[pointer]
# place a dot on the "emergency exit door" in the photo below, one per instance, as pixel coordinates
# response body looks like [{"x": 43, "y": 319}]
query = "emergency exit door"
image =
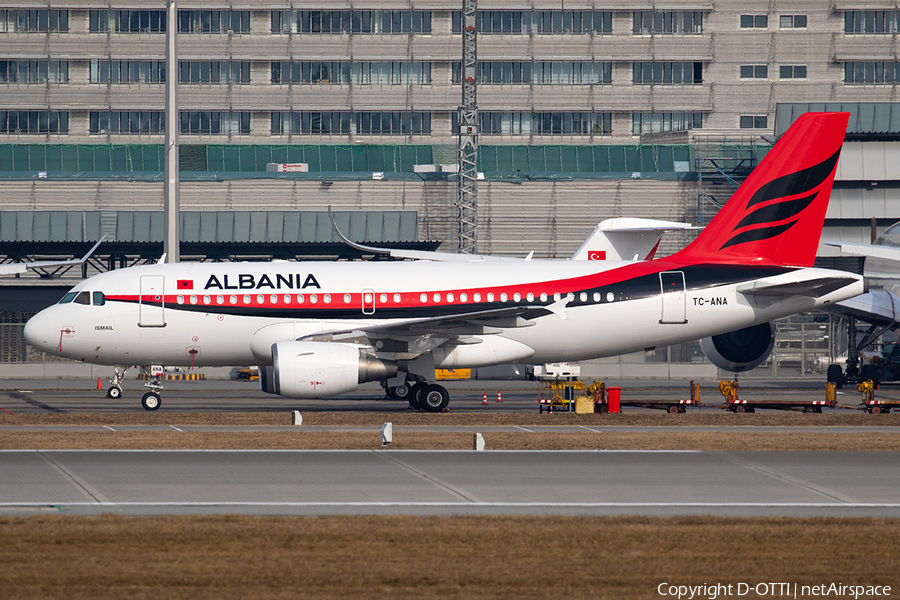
[{"x": 674, "y": 300}]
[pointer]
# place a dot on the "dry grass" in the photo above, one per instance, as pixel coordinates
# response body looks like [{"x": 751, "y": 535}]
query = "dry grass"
[
  {"x": 401, "y": 416},
  {"x": 312, "y": 440},
  {"x": 431, "y": 557}
]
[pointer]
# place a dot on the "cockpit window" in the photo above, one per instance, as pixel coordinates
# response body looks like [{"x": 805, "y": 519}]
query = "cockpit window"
[
  {"x": 68, "y": 297},
  {"x": 99, "y": 299},
  {"x": 83, "y": 298}
]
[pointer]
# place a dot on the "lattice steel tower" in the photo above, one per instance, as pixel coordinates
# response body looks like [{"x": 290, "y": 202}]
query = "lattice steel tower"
[{"x": 467, "y": 196}]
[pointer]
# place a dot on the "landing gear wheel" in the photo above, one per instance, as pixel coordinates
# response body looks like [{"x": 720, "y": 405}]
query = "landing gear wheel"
[
  {"x": 434, "y": 398},
  {"x": 413, "y": 395},
  {"x": 114, "y": 392},
  {"x": 835, "y": 375},
  {"x": 401, "y": 392},
  {"x": 151, "y": 401}
]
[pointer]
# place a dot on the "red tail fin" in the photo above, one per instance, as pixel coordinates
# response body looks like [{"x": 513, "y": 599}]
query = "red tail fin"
[{"x": 776, "y": 216}]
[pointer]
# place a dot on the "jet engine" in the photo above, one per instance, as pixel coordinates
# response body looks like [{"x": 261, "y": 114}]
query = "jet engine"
[
  {"x": 316, "y": 369},
  {"x": 740, "y": 350}
]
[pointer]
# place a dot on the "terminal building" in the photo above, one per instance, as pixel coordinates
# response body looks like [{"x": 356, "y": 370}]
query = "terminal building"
[{"x": 588, "y": 111}]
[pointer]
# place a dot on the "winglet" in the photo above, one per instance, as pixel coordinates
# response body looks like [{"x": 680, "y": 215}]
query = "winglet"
[{"x": 15, "y": 268}]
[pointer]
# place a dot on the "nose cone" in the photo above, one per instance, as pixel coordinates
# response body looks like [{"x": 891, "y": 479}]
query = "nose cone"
[{"x": 41, "y": 333}]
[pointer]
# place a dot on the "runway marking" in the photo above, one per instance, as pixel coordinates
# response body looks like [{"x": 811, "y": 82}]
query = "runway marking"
[
  {"x": 176, "y": 429},
  {"x": 35, "y": 403},
  {"x": 523, "y": 429},
  {"x": 442, "y": 484},
  {"x": 589, "y": 429},
  {"x": 84, "y": 487},
  {"x": 776, "y": 474},
  {"x": 110, "y": 428},
  {"x": 486, "y": 504}
]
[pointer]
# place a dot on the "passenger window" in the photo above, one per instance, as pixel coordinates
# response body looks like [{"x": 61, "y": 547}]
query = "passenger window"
[
  {"x": 83, "y": 298},
  {"x": 68, "y": 297},
  {"x": 99, "y": 299}
]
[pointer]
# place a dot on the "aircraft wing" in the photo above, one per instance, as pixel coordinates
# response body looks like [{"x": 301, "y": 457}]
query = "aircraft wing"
[
  {"x": 887, "y": 252},
  {"x": 812, "y": 288},
  {"x": 413, "y": 337},
  {"x": 13, "y": 268}
]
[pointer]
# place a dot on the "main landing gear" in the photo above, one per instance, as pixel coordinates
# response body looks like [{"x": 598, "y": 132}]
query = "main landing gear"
[
  {"x": 152, "y": 400},
  {"x": 421, "y": 395}
]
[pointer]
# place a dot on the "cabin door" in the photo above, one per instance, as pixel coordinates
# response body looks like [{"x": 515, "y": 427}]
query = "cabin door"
[
  {"x": 152, "y": 301},
  {"x": 674, "y": 300}
]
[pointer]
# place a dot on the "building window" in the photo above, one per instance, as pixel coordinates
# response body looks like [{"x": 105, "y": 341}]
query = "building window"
[
  {"x": 540, "y": 123},
  {"x": 665, "y": 22},
  {"x": 214, "y": 123},
  {"x": 754, "y": 72},
  {"x": 126, "y": 122},
  {"x": 128, "y": 71},
  {"x": 539, "y": 73},
  {"x": 33, "y": 21},
  {"x": 871, "y": 21},
  {"x": 542, "y": 22},
  {"x": 357, "y": 73},
  {"x": 34, "y": 71},
  {"x": 34, "y": 121},
  {"x": 754, "y": 122},
  {"x": 792, "y": 21},
  {"x": 651, "y": 122},
  {"x": 754, "y": 21},
  {"x": 311, "y": 123},
  {"x": 127, "y": 21},
  {"x": 339, "y": 123},
  {"x": 667, "y": 73},
  {"x": 213, "y": 72},
  {"x": 393, "y": 123},
  {"x": 871, "y": 73},
  {"x": 792, "y": 72},
  {"x": 214, "y": 21},
  {"x": 351, "y": 21}
]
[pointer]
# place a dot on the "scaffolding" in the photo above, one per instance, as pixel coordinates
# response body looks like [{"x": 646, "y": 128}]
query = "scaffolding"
[{"x": 721, "y": 164}]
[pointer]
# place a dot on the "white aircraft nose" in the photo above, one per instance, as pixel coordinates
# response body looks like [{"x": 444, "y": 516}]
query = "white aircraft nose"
[{"x": 41, "y": 333}]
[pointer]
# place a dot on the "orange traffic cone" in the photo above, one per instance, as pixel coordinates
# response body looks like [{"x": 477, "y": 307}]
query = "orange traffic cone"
[
  {"x": 99, "y": 384},
  {"x": 499, "y": 399},
  {"x": 485, "y": 399}
]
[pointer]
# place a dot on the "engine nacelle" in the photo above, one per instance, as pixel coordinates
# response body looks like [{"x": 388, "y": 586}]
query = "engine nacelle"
[
  {"x": 316, "y": 369},
  {"x": 740, "y": 350}
]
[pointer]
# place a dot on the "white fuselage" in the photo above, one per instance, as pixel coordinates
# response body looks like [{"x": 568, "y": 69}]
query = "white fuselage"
[{"x": 212, "y": 314}]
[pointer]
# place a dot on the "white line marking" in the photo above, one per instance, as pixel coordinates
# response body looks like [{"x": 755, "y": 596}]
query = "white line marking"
[
  {"x": 176, "y": 429},
  {"x": 523, "y": 429},
  {"x": 589, "y": 429},
  {"x": 487, "y": 504},
  {"x": 108, "y": 427}
]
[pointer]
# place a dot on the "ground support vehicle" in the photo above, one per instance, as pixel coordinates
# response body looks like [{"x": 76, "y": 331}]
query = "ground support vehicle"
[
  {"x": 735, "y": 404},
  {"x": 876, "y": 407},
  {"x": 560, "y": 395},
  {"x": 555, "y": 397}
]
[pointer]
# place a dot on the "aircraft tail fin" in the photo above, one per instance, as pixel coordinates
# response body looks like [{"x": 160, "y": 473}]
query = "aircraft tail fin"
[{"x": 776, "y": 216}]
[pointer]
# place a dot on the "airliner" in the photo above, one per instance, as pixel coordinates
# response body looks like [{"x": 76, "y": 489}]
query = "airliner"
[{"x": 320, "y": 329}]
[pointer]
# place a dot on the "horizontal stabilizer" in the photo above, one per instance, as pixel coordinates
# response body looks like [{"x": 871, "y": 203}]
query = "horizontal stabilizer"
[
  {"x": 811, "y": 288},
  {"x": 887, "y": 252}
]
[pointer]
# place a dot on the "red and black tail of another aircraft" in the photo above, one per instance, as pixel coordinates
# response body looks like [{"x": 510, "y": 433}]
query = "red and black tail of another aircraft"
[{"x": 776, "y": 216}]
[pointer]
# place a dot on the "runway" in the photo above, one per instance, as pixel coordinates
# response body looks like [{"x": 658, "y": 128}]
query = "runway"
[{"x": 383, "y": 482}]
